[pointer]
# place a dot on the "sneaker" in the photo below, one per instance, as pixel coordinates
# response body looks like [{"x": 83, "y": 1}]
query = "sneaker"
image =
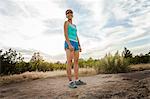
[
  {"x": 79, "y": 82},
  {"x": 72, "y": 85}
]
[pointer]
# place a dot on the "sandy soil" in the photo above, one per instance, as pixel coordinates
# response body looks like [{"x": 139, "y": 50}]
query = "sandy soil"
[{"x": 135, "y": 85}]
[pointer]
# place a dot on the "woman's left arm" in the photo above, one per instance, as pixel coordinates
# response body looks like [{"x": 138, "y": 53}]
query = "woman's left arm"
[
  {"x": 78, "y": 41},
  {"x": 79, "y": 44}
]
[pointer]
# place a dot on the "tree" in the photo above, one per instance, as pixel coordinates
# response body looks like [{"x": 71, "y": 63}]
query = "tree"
[
  {"x": 149, "y": 52},
  {"x": 127, "y": 53},
  {"x": 36, "y": 57},
  {"x": 8, "y": 60},
  {"x": 36, "y": 61}
]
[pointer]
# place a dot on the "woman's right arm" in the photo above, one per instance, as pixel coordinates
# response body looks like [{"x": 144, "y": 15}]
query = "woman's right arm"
[{"x": 66, "y": 34}]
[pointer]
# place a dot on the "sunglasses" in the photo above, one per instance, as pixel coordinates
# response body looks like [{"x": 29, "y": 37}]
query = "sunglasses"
[{"x": 69, "y": 12}]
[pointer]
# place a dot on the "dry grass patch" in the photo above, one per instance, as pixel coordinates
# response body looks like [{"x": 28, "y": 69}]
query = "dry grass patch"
[
  {"x": 140, "y": 67},
  {"x": 37, "y": 75}
]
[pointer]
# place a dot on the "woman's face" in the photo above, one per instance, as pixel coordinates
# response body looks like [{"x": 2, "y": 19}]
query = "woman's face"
[{"x": 70, "y": 15}]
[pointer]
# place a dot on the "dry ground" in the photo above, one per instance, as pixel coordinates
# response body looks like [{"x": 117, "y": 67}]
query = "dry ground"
[{"x": 133, "y": 85}]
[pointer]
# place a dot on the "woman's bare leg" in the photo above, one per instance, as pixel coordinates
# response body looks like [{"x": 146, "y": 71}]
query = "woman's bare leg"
[
  {"x": 69, "y": 55},
  {"x": 76, "y": 68}
]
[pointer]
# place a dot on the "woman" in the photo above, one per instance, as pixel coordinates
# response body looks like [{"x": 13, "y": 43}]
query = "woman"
[{"x": 72, "y": 48}]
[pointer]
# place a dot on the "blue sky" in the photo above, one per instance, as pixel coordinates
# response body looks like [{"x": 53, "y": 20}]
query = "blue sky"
[{"x": 103, "y": 26}]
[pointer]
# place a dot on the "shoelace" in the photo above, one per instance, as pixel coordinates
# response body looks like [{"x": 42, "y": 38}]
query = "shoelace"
[{"x": 72, "y": 83}]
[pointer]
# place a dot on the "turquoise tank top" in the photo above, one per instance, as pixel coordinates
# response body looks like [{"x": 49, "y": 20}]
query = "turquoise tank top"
[{"x": 72, "y": 32}]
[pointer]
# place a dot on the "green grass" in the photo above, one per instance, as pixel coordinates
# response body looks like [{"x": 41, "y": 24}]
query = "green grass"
[{"x": 112, "y": 64}]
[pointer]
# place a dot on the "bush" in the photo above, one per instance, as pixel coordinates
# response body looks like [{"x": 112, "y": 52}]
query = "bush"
[
  {"x": 41, "y": 66},
  {"x": 90, "y": 63},
  {"x": 112, "y": 64},
  {"x": 8, "y": 60},
  {"x": 45, "y": 66},
  {"x": 59, "y": 66},
  {"x": 21, "y": 67},
  {"x": 138, "y": 59}
]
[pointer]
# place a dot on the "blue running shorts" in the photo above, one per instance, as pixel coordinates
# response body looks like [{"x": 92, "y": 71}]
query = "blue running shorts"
[{"x": 73, "y": 43}]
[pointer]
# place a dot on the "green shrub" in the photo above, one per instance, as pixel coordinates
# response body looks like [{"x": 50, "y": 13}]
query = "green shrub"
[
  {"x": 41, "y": 66},
  {"x": 21, "y": 67},
  {"x": 112, "y": 64},
  {"x": 8, "y": 60},
  {"x": 45, "y": 66},
  {"x": 59, "y": 66}
]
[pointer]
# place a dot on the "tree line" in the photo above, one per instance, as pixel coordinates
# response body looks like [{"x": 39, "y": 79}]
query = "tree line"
[{"x": 12, "y": 62}]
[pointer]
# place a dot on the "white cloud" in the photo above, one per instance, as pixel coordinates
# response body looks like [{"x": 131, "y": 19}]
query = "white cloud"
[{"x": 103, "y": 26}]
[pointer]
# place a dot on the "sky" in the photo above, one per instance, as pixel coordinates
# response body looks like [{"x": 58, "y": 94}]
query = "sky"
[{"x": 103, "y": 26}]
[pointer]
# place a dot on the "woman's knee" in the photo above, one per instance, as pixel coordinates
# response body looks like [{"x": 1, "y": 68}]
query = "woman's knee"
[
  {"x": 69, "y": 61},
  {"x": 69, "y": 58},
  {"x": 76, "y": 61}
]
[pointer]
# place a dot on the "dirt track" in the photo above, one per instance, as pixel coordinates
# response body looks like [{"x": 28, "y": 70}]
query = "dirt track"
[{"x": 134, "y": 85}]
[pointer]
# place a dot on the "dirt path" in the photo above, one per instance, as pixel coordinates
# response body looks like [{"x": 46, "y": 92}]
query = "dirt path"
[{"x": 134, "y": 85}]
